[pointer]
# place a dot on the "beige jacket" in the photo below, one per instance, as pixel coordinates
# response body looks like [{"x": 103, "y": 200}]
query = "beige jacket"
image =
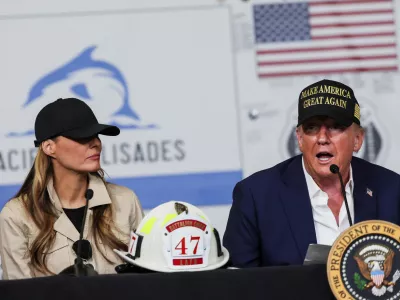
[{"x": 17, "y": 231}]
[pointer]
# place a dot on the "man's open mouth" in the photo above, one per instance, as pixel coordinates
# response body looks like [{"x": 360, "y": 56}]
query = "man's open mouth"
[{"x": 324, "y": 156}]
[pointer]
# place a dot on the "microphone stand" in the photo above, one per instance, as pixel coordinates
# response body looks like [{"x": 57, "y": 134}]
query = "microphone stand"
[
  {"x": 335, "y": 170},
  {"x": 79, "y": 269}
]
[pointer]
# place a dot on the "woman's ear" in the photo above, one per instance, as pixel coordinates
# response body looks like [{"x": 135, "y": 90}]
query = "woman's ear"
[{"x": 49, "y": 147}]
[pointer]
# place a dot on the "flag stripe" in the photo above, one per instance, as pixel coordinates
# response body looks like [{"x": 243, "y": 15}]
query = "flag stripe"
[
  {"x": 305, "y": 38},
  {"x": 373, "y": 63},
  {"x": 313, "y": 49},
  {"x": 321, "y": 60},
  {"x": 359, "y": 20},
  {"x": 350, "y": 30},
  {"x": 334, "y": 54},
  {"x": 352, "y": 36},
  {"x": 319, "y": 3},
  {"x": 283, "y": 58},
  {"x": 351, "y": 7},
  {"x": 361, "y": 41},
  {"x": 352, "y": 24},
  {"x": 327, "y": 71},
  {"x": 351, "y": 13}
]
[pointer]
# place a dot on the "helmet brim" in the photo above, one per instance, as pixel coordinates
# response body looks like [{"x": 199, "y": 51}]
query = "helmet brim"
[{"x": 125, "y": 257}]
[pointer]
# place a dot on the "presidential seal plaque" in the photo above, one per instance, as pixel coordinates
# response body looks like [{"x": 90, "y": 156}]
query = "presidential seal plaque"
[{"x": 364, "y": 262}]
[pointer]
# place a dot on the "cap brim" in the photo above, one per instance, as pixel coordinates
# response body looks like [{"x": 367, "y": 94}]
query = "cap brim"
[
  {"x": 331, "y": 113},
  {"x": 92, "y": 130}
]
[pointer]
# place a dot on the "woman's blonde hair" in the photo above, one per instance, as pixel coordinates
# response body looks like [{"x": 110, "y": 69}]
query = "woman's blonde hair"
[{"x": 37, "y": 202}]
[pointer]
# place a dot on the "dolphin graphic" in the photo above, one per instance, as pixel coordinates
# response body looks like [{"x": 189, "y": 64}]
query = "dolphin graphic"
[
  {"x": 76, "y": 74},
  {"x": 83, "y": 61}
]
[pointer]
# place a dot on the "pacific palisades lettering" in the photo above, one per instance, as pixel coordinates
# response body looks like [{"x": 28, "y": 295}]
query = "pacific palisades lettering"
[
  {"x": 17, "y": 159},
  {"x": 14, "y": 160},
  {"x": 150, "y": 152}
]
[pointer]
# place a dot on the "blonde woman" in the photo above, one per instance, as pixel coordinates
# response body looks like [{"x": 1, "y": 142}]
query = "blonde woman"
[{"x": 40, "y": 227}]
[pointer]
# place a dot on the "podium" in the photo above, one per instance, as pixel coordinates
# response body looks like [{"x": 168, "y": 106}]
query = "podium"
[{"x": 286, "y": 282}]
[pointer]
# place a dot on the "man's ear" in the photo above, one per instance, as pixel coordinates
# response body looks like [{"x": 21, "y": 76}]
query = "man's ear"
[
  {"x": 49, "y": 147},
  {"x": 358, "y": 138},
  {"x": 299, "y": 135}
]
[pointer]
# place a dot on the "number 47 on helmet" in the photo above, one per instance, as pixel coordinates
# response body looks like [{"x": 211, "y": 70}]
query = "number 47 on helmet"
[{"x": 175, "y": 237}]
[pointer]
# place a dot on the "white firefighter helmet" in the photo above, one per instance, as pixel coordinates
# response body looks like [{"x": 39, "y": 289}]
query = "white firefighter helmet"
[{"x": 175, "y": 236}]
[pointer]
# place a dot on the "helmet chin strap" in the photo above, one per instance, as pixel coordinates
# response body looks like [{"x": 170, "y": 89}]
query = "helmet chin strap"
[
  {"x": 138, "y": 247},
  {"x": 219, "y": 247}
]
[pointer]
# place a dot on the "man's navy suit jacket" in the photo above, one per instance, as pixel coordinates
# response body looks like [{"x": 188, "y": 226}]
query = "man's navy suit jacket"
[{"x": 271, "y": 221}]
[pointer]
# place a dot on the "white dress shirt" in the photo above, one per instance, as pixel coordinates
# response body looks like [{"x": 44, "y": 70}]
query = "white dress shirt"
[{"x": 325, "y": 224}]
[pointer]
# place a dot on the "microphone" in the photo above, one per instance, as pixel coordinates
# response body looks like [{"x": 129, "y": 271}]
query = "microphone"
[
  {"x": 79, "y": 269},
  {"x": 335, "y": 170},
  {"x": 88, "y": 196}
]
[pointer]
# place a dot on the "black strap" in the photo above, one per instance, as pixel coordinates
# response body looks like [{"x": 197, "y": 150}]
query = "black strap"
[
  {"x": 219, "y": 247},
  {"x": 138, "y": 248}
]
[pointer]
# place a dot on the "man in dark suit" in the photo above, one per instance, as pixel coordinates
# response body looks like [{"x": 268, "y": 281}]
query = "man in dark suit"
[{"x": 276, "y": 213}]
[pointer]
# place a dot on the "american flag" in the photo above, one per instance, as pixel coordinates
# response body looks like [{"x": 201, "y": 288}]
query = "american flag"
[{"x": 324, "y": 37}]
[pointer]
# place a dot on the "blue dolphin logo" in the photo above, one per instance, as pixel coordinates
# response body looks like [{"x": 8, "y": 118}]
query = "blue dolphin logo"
[{"x": 85, "y": 61}]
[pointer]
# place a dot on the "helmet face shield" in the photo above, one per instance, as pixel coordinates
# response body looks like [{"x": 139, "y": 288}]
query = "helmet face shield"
[{"x": 175, "y": 236}]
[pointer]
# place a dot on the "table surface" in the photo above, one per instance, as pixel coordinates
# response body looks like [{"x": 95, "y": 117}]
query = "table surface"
[{"x": 290, "y": 282}]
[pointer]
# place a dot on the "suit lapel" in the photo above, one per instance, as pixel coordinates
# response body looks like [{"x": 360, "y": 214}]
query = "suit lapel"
[
  {"x": 100, "y": 197},
  {"x": 64, "y": 226},
  {"x": 365, "y": 202},
  {"x": 297, "y": 205}
]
